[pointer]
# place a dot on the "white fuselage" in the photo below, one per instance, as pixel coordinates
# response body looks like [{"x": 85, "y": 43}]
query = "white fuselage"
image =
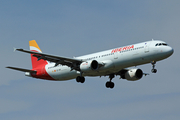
[{"x": 115, "y": 59}]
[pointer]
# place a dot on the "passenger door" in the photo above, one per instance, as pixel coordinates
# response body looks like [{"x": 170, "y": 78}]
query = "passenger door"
[{"x": 146, "y": 47}]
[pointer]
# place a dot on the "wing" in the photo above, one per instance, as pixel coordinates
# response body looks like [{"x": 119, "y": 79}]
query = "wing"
[{"x": 70, "y": 62}]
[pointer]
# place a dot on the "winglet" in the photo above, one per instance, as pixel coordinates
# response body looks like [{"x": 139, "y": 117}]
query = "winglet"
[{"x": 15, "y": 49}]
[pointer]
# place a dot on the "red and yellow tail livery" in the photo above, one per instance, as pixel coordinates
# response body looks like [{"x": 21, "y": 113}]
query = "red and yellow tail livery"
[{"x": 36, "y": 59}]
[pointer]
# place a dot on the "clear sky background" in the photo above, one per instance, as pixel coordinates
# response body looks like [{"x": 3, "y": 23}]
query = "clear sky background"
[{"x": 73, "y": 28}]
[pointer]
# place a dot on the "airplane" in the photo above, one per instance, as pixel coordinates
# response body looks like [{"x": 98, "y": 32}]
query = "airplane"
[{"x": 110, "y": 63}]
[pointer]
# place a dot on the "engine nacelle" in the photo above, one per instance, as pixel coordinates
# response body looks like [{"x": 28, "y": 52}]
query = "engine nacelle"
[
  {"x": 106, "y": 65},
  {"x": 133, "y": 74},
  {"x": 89, "y": 66}
]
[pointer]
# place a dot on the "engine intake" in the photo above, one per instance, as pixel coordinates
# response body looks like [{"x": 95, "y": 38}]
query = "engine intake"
[
  {"x": 94, "y": 65},
  {"x": 133, "y": 74},
  {"x": 89, "y": 66}
]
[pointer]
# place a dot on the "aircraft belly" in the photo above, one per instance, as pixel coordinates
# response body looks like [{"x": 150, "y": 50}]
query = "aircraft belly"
[{"x": 101, "y": 73}]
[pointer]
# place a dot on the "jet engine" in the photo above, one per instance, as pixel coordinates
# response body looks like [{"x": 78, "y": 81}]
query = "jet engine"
[
  {"x": 89, "y": 66},
  {"x": 133, "y": 74}
]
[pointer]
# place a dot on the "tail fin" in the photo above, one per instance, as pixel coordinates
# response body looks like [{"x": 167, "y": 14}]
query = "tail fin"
[{"x": 35, "y": 62}]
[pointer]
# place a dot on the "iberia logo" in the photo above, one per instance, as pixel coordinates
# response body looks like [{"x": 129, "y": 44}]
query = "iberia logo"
[{"x": 122, "y": 49}]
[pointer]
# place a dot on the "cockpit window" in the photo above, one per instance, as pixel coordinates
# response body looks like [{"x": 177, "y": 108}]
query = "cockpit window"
[
  {"x": 164, "y": 44},
  {"x": 161, "y": 44}
]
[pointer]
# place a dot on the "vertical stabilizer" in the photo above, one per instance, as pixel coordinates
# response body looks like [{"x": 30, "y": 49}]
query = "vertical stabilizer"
[{"x": 35, "y": 62}]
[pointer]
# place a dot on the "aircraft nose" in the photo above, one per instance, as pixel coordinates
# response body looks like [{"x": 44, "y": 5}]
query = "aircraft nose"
[{"x": 169, "y": 50}]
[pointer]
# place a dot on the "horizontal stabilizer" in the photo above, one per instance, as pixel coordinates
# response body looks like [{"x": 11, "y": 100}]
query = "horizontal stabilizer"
[{"x": 21, "y": 69}]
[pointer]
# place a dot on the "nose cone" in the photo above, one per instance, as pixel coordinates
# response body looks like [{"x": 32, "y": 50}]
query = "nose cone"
[{"x": 169, "y": 51}]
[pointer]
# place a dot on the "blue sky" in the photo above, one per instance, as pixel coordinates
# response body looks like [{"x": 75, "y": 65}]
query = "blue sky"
[{"x": 73, "y": 28}]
